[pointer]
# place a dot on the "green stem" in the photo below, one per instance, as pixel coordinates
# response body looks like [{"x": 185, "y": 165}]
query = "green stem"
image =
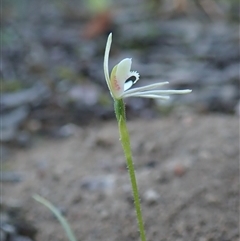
[{"x": 125, "y": 140}]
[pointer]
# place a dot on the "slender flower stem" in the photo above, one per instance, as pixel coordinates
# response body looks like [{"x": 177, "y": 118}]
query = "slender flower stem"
[{"x": 125, "y": 140}]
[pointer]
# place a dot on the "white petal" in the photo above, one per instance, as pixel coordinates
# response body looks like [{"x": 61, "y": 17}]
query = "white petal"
[
  {"x": 165, "y": 92},
  {"x": 105, "y": 62},
  {"x": 123, "y": 71},
  {"x": 143, "y": 95},
  {"x": 143, "y": 88}
]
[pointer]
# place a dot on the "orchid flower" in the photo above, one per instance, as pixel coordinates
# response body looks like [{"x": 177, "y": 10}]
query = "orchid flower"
[{"x": 122, "y": 79}]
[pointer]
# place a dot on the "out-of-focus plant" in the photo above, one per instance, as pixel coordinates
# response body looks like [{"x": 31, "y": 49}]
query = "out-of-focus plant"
[
  {"x": 98, "y": 6},
  {"x": 59, "y": 216},
  {"x": 101, "y": 18}
]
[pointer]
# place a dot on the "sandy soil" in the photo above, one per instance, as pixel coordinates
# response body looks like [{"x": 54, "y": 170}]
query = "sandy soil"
[{"x": 187, "y": 170}]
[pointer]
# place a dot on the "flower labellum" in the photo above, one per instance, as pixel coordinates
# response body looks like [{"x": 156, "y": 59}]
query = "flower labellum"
[{"x": 122, "y": 79}]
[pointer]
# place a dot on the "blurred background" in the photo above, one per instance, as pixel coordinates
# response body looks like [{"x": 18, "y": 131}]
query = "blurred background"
[
  {"x": 52, "y": 80},
  {"x": 52, "y": 57}
]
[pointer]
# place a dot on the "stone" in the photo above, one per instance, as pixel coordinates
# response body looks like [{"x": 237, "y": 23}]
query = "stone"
[
  {"x": 10, "y": 121},
  {"x": 177, "y": 166},
  {"x": 67, "y": 130},
  {"x": 151, "y": 197},
  {"x": 14, "y": 118},
  {"x": 8, "y": 134},
  {"x": 23, "y": 138},
  {"x": 101, "y": 183},
  {"x": 8, "y": 228},
  {"x": 8, "y": 176},
  {"x": 32, "y": 96},
  {"x": 21, "y": 238}
]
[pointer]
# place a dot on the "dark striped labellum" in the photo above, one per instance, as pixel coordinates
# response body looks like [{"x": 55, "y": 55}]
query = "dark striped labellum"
[{"x": 130, "y": 82}]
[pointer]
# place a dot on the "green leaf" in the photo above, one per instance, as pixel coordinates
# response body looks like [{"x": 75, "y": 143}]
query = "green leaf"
[{"x": 58, "y": 215}]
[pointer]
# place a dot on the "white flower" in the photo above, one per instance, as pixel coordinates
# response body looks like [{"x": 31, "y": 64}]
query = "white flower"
[{"x": 122, "y": 79}]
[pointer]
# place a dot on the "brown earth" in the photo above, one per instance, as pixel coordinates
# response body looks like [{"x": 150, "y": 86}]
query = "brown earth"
[{"x": 187, "y": 169}]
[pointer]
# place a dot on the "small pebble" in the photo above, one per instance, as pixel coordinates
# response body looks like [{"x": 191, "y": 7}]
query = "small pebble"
[
  {"x": 104, "y": 214},
  {"x": 179, "y": 170},
  {"x": 178, "y": 166},
  {"x": 67, "y": 131},
  {"x": 76, "y": 199},
  {"x": 151, "y": 164},
  {"x": 151, "y": 197},
  {"x": 211, "y": 199},
  {"x": 164, "y": 177},
  {"x": 98, "y": 183}
]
